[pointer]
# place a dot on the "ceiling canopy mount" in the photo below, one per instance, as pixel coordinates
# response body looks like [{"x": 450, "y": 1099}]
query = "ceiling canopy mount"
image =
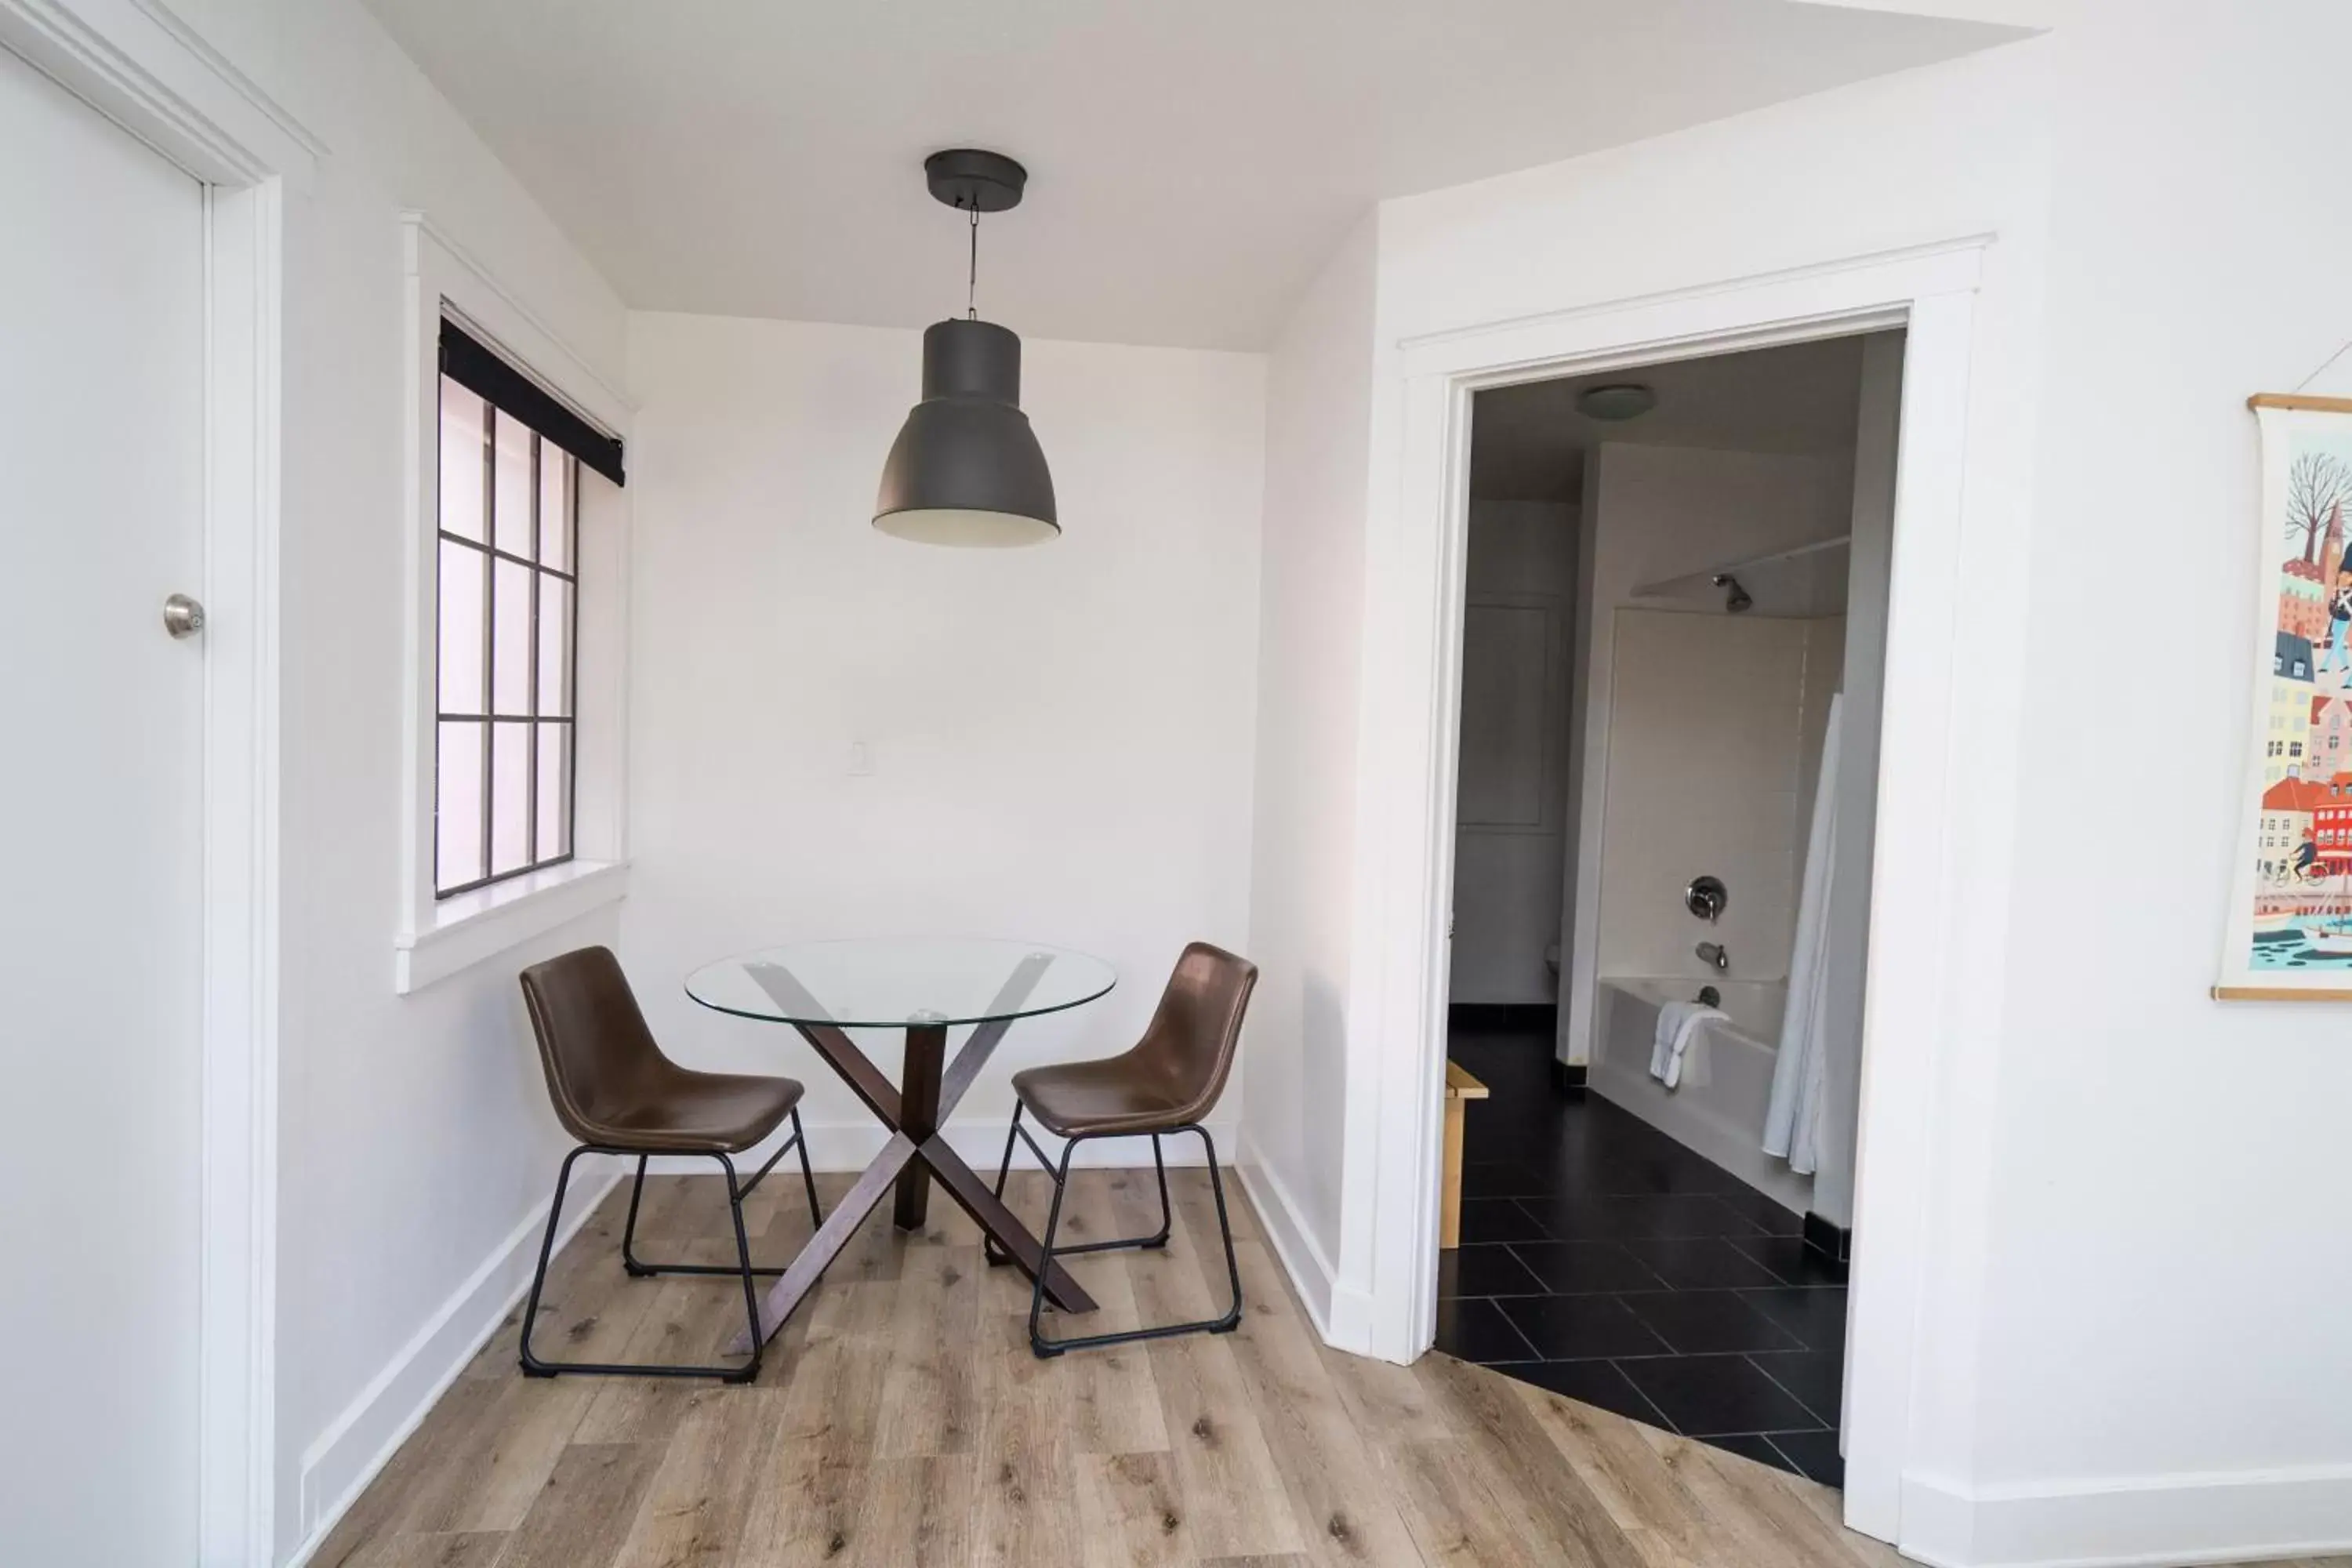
[{"x": 970, "y": 180}]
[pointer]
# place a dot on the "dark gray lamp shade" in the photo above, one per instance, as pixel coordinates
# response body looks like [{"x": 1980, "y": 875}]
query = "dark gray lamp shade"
[{"x": 966, "y": 468}]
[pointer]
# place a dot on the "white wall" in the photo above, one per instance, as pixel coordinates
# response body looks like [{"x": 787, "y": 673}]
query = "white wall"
[
  {"x": 1310, "y": 610},
  {"x": 414, "y": 1136},
  {"x": 1517, "y": 649},
  {"x": 1656, "y": 513},
  {"x": 1060, "y": 737},
  {"x": 2155, "y": 1151}
]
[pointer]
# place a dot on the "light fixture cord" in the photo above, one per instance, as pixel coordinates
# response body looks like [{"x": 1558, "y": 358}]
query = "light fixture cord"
[{"x": 971, "y": 279}]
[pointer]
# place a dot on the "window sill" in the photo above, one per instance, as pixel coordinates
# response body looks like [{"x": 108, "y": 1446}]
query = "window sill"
[{"x": 475, "y": 927}]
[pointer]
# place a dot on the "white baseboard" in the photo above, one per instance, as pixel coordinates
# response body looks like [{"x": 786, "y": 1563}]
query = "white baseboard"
[
  {"x": 1294, "y": 1245},
  {"x": 2161, "y": 1522},
  {"x": 1352, "y": 1324},
  {"x": 338, "y": 1466}
]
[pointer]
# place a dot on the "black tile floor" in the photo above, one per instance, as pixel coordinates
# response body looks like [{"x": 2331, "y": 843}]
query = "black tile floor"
[{"x": 1603, "y": 1260}]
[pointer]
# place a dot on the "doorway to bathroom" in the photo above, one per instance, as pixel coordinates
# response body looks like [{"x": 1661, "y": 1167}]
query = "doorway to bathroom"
[{"x": 1673, "y": 644}]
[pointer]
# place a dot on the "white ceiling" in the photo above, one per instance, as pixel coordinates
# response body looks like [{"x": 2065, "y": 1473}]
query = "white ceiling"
[
  {"x": 2031, "y": 13},
  {"x": 1191, "y": 161},
  {"x": 1527, "y": 443}
]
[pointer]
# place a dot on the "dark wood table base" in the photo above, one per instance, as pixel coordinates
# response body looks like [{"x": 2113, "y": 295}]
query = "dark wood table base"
[{"x": 916, "y": 1153}]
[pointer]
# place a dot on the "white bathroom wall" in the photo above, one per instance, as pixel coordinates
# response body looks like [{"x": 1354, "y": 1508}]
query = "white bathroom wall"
[
  {"x": 1709, "y": 729},
  {"x": 1715, "y": 749},
  {"x": 1653, "y": 513},
  {"x": 1059, "y": 738},
  {"x": 1517, "y": 649}
]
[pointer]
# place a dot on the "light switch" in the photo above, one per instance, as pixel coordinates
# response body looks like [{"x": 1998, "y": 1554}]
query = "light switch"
[{"x": 861, "y": 760}]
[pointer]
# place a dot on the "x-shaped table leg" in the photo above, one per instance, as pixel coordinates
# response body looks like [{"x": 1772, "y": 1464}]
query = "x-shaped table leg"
[{"x": 916, "y": 1153}]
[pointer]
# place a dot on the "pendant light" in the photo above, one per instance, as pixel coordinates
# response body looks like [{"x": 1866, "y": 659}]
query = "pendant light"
[{"x": 966, "y": 469}]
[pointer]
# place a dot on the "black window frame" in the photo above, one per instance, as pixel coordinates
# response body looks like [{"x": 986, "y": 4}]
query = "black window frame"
[{"x": 542, "y": 449}]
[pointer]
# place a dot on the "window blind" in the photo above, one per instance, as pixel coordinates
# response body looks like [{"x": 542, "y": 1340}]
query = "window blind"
[{"x": 465, "y": 361}]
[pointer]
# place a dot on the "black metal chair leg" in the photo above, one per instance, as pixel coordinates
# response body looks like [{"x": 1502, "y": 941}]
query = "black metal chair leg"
[
  {"x": 1232, "y": 1317},
  {"x": 1044, "y": 1347},
  {"x": 1039, "y": 1343},
  {"x": 533, "y": 1366},
  {"x": 640, "y": 1269},
  {"x": 996, "y": 1255},
  {"x": 808, "y": 1177},
  {"x": 750, "y": 1369},
  {"x": 1167, "y": 1214},
  {"x": 635, "y": 1269}
]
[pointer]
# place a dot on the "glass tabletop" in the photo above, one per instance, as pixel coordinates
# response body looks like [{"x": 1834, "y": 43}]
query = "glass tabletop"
[{"x": 892, "y": 982}]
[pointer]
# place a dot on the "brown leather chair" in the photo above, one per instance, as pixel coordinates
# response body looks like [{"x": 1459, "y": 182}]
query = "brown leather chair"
[
  {"x": 618, "y": 1094},
  {"x": 1166, "y": 1084}
]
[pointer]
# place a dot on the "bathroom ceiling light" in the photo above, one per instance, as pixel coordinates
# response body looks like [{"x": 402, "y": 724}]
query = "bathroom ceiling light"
[
  {"x": 1616, "y": 401},
  {"x": 966, "y": 469}
]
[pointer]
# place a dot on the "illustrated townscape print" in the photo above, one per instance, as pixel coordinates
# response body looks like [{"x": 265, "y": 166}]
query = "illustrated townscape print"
[{"x": 2292, "y": 924}]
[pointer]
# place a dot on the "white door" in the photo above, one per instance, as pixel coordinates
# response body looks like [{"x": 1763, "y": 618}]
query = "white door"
[{"x": 102, "y": 364}]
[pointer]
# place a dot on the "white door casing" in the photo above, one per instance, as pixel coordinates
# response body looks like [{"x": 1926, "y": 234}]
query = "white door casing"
[{"x": 1406, "y": 772}]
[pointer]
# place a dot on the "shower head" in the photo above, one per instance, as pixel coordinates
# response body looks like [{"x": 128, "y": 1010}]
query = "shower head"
[{"x": 1738, "y": 599}]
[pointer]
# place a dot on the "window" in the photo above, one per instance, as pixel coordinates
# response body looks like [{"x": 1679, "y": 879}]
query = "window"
[
  {"x": 512, "y": 733},
  {"x": 505, "y": 614}
]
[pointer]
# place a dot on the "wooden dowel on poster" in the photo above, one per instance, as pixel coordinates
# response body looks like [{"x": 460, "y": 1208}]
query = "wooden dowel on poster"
[
  {"x": 2276, "y": 993},
  {"x": 2302, "y": 400}
]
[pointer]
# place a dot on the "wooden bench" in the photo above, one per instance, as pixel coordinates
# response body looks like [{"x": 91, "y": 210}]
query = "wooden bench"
[{"x": 1460, "y": 1090}]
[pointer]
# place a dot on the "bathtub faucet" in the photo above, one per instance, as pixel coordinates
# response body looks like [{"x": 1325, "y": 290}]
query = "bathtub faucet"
[{"x": 1714, "y": 952}]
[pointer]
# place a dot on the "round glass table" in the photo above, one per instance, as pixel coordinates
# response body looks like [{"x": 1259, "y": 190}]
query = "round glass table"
[
  {"x": 925, "y": 985},
  {"x": 895, "y": 983}
]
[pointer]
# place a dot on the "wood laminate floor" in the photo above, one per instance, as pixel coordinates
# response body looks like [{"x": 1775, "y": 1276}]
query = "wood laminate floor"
[{"x": 900, "y": 1419}]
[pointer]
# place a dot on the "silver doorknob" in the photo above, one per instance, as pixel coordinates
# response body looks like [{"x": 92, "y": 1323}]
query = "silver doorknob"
[{"x": 183, "y": 616}]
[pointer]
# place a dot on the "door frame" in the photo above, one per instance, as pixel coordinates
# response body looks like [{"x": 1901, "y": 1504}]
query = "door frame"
[
  {"x": 1417, "y": 543},
  {"x": 140, "y": 67}
]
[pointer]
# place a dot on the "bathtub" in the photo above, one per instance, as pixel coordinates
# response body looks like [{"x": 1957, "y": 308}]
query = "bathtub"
[{"x": 1727, "y": 1083}]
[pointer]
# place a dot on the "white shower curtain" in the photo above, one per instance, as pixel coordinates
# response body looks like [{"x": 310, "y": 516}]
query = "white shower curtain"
[{"x": 1793, "y": 1123}]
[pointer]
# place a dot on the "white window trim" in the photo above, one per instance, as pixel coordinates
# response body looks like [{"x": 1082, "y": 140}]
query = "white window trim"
[{"x": 435, "y": 938}]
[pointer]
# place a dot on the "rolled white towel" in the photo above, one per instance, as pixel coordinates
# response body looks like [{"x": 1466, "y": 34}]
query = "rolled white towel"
[{"x": 1676, "y": 1022}]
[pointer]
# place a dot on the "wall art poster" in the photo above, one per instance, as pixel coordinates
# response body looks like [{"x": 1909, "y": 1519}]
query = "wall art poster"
[{"x": 2290, "y": 927}]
